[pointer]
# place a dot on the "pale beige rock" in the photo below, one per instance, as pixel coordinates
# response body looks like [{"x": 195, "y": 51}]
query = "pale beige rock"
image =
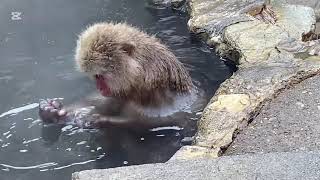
[
  {"x": 231, "y": 102},
  {"x": 193, "y": 152},
  {"x": 313, "y": 58}
]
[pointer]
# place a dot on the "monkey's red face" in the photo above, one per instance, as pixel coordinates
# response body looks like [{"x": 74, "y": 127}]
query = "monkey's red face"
[{"x": 102, "y": 85}]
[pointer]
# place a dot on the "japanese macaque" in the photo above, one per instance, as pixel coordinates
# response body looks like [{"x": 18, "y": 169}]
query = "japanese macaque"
[{"x": 141, "y": 81}]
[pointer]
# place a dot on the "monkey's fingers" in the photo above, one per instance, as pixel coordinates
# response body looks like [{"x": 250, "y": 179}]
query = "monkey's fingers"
[{"x": 50, "y": 111}]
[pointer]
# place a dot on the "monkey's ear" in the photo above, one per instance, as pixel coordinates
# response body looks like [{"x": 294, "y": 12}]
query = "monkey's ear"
[{"x": 128, "y": 47}]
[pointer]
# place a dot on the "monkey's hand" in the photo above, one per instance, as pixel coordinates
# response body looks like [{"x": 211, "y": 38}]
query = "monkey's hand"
[{"x": 51, "y": 111}]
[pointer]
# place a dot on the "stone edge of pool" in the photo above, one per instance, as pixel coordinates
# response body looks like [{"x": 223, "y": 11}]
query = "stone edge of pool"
[{"x": 265, "y": 69}]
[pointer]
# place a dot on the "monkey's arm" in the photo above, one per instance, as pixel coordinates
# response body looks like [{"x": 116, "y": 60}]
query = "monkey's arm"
[
  {"x": 96, "y": 113},
  {"x": 52, "y": 110},
  {"x": 133, "y": 122}
]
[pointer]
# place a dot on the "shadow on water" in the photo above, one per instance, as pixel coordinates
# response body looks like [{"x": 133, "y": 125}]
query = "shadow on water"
[{"x": 37, "y": 40}]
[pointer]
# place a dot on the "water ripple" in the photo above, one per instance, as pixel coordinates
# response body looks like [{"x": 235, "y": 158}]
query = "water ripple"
[
  {"x": 19, "y": 109},
  {"x": 39, "y": 166},
  {"x": 53, "y": 165}
]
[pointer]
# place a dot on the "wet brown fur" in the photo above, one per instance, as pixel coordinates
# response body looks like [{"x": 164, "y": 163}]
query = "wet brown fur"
[{"x": 145, "y": 70}]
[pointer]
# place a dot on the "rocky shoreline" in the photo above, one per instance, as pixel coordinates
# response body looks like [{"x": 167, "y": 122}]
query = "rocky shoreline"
[{"x": 271, "y": 56}]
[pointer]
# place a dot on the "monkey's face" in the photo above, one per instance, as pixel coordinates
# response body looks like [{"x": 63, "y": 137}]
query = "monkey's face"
[
  {"x": 109, "y": 63},
  {"x": 114, "y": 74}
]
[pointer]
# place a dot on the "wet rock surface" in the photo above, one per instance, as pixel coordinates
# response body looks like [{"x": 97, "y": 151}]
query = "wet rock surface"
[{"x": 289, "y": 123}]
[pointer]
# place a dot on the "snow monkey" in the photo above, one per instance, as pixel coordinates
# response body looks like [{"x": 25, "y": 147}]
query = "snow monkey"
[{"x": 141, "y": 81}]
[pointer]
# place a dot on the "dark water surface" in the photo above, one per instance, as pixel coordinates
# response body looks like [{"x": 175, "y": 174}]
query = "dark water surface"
[{"x": 37, "y": 41}]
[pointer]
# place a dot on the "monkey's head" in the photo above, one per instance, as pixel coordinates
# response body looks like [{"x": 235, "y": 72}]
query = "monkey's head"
[{"x": 104, "y": 54}]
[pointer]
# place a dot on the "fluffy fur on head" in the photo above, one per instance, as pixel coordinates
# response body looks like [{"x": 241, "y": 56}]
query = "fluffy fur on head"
[{"x": 136, "y": 63}]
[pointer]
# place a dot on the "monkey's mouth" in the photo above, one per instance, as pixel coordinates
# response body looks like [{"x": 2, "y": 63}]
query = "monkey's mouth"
[{"x": 102, "y": 85}]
